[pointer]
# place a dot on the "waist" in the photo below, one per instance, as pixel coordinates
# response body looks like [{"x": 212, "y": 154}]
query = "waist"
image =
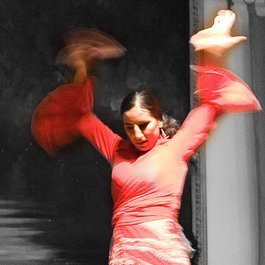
[{"x": 139, "y": 215}]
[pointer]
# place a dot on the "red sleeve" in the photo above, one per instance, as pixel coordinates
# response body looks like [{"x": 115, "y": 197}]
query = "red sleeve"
[
  {"x": 194, "y": 131},
  {"x": 54, "y": 120},
  {"x": 219, "y": 91},
  {"x": 99, "y": 135},
  {"x": 57, "y": 119},
  {"x": 224, "y": 90}
]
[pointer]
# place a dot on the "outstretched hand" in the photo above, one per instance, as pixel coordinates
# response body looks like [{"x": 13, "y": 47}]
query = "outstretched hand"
[
  {"x": 217, "y": 39},
  {"x": 84, "y": 49},
  {"x": 85, "y": 46}
]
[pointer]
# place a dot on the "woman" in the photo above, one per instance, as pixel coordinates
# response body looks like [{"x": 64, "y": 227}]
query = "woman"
[{"x": 148, "y": 169}]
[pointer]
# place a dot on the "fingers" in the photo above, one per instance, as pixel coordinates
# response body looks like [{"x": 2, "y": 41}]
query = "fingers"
[
  {"x": 217, "y": 37},
  {"x": 214, "y": 42},
  {"x": 87, "y": 45}
]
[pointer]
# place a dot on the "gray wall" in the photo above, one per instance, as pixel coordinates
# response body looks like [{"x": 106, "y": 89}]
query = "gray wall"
[
  {"x": 257, "y": 42},
  {"x": 231, "y": 166}
]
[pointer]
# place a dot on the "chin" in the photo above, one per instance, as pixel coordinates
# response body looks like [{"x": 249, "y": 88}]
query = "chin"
[{"x": 144, "y": 148}]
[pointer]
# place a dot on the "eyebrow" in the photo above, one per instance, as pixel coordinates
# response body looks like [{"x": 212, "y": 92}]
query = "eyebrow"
[{"x": 141, "y": 123}]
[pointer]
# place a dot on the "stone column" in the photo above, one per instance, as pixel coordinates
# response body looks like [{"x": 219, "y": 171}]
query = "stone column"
[{"x": 231, "y": 171}]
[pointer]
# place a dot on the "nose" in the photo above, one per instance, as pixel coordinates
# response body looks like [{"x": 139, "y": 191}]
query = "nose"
[{"x": 138, "y": 134}]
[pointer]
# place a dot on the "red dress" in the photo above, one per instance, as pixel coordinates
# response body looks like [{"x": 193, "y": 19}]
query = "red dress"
[{"x": 146, "y": 186}]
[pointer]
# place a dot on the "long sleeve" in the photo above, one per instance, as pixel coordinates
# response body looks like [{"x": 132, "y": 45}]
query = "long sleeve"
[
  {"x": 59, "y": 120},
  {"x": 195, "y": 130},
  {"x": 54, "y": 120},
  {"x": 99, "y": 135},
  {"x": 219, "y": 91}
]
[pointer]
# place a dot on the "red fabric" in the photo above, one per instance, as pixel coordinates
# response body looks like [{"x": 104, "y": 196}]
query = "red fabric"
[
  {"x": 146, "y": 187},
  {"x": 159, "y": 241},
  {"x": 54, "y": 120},
  {"x": 224, "y": 89}
]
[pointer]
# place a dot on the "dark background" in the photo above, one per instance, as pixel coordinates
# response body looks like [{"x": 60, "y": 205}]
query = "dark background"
[{"x": 57, "y": 210}]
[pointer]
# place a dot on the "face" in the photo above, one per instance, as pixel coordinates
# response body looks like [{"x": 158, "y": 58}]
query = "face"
[{"x": 142, "y": 128}]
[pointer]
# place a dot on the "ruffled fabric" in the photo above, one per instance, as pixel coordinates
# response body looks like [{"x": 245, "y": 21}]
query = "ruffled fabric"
[
  {"x": 54, "y": 122},
  {"x": 154, "y": 242},
  {"x": 224, "y": 90}
]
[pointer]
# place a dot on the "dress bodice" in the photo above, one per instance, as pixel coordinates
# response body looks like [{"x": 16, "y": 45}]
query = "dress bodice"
[{"x": 147, "y": 186}]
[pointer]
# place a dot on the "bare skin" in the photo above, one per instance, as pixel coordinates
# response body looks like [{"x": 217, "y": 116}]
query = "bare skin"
[
  {"x": 141, "y": 127},
  {"x": 84, "y": 49},
  {"x": 217, "y": 40}
]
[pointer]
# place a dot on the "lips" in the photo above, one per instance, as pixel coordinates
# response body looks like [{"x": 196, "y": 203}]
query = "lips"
[{"x": 140, "y": 143}]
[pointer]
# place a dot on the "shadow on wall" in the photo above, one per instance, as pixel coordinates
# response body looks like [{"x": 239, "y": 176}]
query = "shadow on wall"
[{"x": 59, "y": 208}]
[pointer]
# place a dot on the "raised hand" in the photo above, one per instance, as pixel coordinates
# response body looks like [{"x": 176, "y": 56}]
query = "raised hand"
[
  {"x": 84, "y": 48},
  {"x": 217, "y": 39}
]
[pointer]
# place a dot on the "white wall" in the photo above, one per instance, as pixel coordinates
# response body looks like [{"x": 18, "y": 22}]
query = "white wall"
[{"x": 232, "y": 200}]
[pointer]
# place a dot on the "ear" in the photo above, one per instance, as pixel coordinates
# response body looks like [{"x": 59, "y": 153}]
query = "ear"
[{"x": 160, "y": 124}]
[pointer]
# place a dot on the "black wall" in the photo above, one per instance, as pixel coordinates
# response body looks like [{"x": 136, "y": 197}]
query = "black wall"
[{"x": 73, "y": 188}]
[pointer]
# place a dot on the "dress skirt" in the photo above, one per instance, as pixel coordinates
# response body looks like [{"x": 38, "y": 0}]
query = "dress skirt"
[{"x": 150, "y": 243}]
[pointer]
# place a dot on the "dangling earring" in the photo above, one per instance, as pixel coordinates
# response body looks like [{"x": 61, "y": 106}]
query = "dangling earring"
[{"x": 164, "y": 136}]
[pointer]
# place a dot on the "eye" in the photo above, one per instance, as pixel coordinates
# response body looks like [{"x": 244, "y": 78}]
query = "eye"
[
  {"x": 128, "y": 128},
  {"x": 143, "y": 126}
]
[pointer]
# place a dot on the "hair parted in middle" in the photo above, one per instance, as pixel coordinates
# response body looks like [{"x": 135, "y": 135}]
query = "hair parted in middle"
[{"x": 147, "y": 100}]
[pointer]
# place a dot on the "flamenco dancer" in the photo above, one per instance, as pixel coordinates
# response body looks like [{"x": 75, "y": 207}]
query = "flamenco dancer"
[{"x": 149, "y": 168}]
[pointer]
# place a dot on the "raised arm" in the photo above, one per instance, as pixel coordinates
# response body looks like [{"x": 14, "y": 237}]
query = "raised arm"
[
  {"x": 66, "y": 113},
  {"x": 99, "y": 135},
  {"x": 54, "y": 120},
  {"x": 194, "y": 131},
  {"x": 219, "y": 90}
]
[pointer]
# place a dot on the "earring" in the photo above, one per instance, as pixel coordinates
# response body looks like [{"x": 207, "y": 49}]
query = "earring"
[{"x": 163, "y": 134}]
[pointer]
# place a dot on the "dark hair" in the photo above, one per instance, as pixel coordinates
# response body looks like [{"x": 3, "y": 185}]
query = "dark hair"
[{"x": 147, "y": 100}]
